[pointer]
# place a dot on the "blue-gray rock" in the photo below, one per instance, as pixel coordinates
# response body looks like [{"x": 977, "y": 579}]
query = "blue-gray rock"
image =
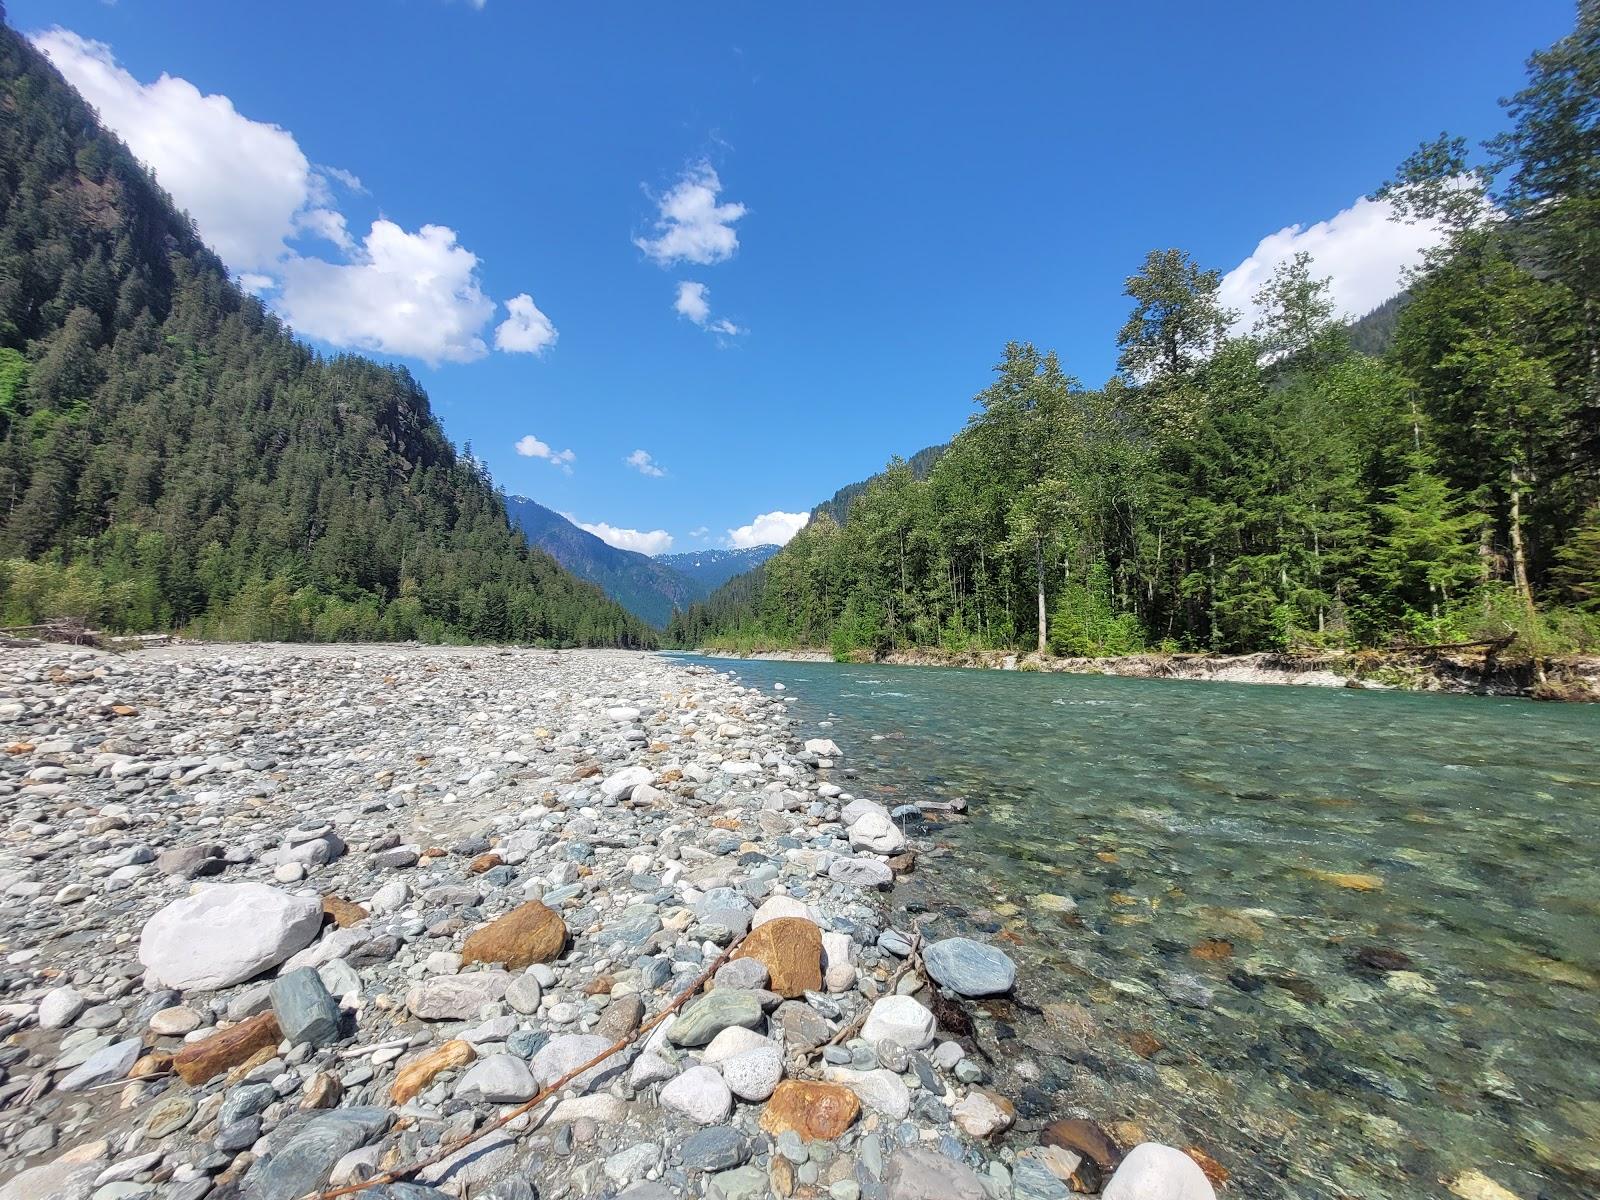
[
  {"x": 715, "y": 1149},
  {"x": 106, "y": 1065},
  {"x": 922, "y": 1173},
  {"x": 246, "y": 1100},
  {"x": 305, "y": 1011},
  {"x": 1183, "y": 988},
  {"x": 238, "y": 1135},
  {"x": 895, "y": 942},
  {"x": 525, "y": 1043},
  {"x": 741, "y": 1183},
  {"x": 302, "y": 1163},
  {"x": 701, "y": 1021},
  {"x": 970, "y": 968},
  {"x": 1032, "y": 1180}
]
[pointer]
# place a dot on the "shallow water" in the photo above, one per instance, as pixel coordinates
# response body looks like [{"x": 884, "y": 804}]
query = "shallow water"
[{"x": 1346, "y": 942}]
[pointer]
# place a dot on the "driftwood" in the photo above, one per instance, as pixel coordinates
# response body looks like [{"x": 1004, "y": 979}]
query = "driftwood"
[
  {"x": 400, "y": 1173},
  {"x": 1492, "y": 645}
]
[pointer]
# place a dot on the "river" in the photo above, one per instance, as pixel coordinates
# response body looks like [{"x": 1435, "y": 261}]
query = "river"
[{"x": 1347, "y": 943}]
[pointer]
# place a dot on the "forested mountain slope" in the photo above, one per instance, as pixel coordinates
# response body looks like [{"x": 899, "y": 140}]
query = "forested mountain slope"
[
  {"x": 644, "y": 586},
  {"x": 1276, "y": 489},
  {"x": 170, "y": 456}
]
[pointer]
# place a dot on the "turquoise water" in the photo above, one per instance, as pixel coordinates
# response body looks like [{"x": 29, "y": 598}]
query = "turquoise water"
[{"x": 1346, "y": 942}]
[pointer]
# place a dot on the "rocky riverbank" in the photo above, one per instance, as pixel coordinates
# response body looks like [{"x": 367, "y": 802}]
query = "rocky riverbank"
[
  {"x": 1574, "y": 678},
  {"x": 281, "y": 919}
]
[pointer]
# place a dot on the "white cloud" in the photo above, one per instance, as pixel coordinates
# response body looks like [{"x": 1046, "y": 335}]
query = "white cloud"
[
  {"x": 691, "y": 226},
  {"x": 1359, "y": 250},
  {"x": 254, "y": 195},
  {"x": 526, "y": 330},
  {"x": 651, "y": 541},
  {"x": 699, "y": 531},
  {"x": 641, "y": 461},
  {"x": 694, "y": 302},
  {"x": 415, "y": 294},
  {"x": 244, "y": 182},
  {"x": 531, "y": 447},
  {"x": 768, "y": 529}
]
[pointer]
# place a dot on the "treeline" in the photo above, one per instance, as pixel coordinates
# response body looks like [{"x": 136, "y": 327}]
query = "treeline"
[
  {"x": 1273, "y": 489},
  {"x": 170, "y": 456}
]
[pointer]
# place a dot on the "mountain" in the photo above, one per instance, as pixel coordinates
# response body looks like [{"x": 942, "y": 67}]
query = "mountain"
[
  {"x": 713, "y": 568},
  {"x": 645, "y": 586},
  {"x": 1373, "y": 333},
  {"x": 174, "y": 458}
]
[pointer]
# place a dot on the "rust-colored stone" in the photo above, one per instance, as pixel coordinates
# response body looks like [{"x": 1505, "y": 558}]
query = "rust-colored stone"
[
  {"x": 344, "y": 913},
  {"x": 530, "y": 933},
  {"x": 158, "y": 1062},
  {"x": 1085, "y": 1138},
  {"x": 417, "y": 1074},
  {"x": 1210, "y": 1167},
  {"x": 729, "y": 823},
  {"x": 791, "y": 950},
  {"x": 125, "y": 710},
  {"x": 903, "y": 864},
  {"x": 484, "y": 862},
  {"x": 1145, "y": 1045},
  {"x": 816, "y": 1111},
  {"x": 200, "y": 1061},
  {"x": 1212, "y": 949},
  {"x": 600, "y": 985}
]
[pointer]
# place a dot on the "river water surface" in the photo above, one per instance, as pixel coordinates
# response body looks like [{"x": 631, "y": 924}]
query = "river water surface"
[{"x": 1345, "y": 942}]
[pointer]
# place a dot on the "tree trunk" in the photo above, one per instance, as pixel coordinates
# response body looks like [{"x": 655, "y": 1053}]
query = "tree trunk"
[
  {"x": 1038, "y": 562},
  {"x": 1519, "y": 561}
]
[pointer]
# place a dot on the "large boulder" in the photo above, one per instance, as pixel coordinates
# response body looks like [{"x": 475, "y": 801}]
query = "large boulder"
[
  {"x": 970, "y": 968},
  {"x": 226, "y": 933},
  {"x": 1156, "y": 1172},
  {"x": 815, "y": 1111},
  {"x": 791, "y": 950},
  {"x": 530, "y": 933}
]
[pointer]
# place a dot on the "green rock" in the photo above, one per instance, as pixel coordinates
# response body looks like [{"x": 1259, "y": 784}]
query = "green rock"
[
  {"x": 741, "y": 1183},
  {"x": 710, "y": 1015}
]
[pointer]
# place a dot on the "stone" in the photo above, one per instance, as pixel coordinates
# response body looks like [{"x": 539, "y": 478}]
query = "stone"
[
  {"x": 748, "y": 1182},
  {"x": 524, "y": 994},
  {"x": 1475, "y": 1185},
  {"x": 456, "y": 997},
  {"x": 754, "y": 1074},
  {"x": 174, "y": 1022},
  {"x": 169, "y": 1115},
  {"x": 304, "y": 1160},
  {"x": 226, "y": 933},
  {"x": 699, "y": 1094},
  {"x": 899, "y": 1019},
  {"x": 106, "y": 1065},
  {"x": 499, "y": 1079},
  {"x": 1085, "y": 1138},
  {"x": 570, "y": 1051},
  {"x": 741, "y": 974},
  {"x": 60, "y": 1006},
  {"x": 980, "y": 1114},
  {"x": 800, "y": 1026},
  {"x": 879, "y": 1089},
  {"x": 861, "y": 872},
  {"x": 814, "y": 1111},
  {"x": 779, "y": 907},
  {"x": 708, "y": 1016},
  {"x": 838, "y": 972},
  {"x": 344, "y": 913},
  {"x": 875, "y": 831},
  {"x": 791, "y": 950},
  {"x": 970, "y": 968},
  {"x": 530, "y": 933},
  {"x": 1032, "y": 1179},
  {"x": 1152, "y": 1171},
  {"x": 53, "y": 1181},
  {"x": 417, "y": 1073},
  {"x": 206, "y": 1059},
  {"x": 305, "y": 1011},
  {"x": 715, "y": 1149},
  {"x": 922, "y": 1173}
]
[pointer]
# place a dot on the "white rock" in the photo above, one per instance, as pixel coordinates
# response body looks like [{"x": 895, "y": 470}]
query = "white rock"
[
  {"x": 901, "y": 1020},
  {"x": 60, "y": 1007},
  {"x": 391, "y": 897},
  {"x": 699, "y": 1094},
  {"x": 881, "y": 1089},
  {"x": 1156, "y": 1172},
  {"x": 823, "y": 748},
  {"x": 569, "y": 1051},
  {"x": 621, "y": 785},
  {"x": 838, "y": 972},
  {"x": 456, "y": 997},
  {"x": 53, "y": 1181},
  {"x": 175, "y": 1021},
  {"x": 226, "y": 933},
  {"x": 878, "y": 833},
  {"x": 782, "y": 906},
  {"x": 499, "y": 1079},
  {"x": 730, "y": 1043},
  {"x": 978, "y": 1115},
  {"x": 755, "y": 1074}
]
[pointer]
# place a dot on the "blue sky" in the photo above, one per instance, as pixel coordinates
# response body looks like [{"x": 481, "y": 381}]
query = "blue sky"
[{"x": 766, "y": 246}]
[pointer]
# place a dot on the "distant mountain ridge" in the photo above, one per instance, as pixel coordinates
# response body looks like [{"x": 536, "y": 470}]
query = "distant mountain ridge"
[{"x": 713, "y": 568}]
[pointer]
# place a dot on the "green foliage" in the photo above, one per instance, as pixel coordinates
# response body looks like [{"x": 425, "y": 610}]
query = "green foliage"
[
  {"x": 170, "y": 457},
  {"x": 1086, "y": 624}
]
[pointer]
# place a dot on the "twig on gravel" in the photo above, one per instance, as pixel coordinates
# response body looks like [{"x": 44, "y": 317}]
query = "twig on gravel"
[
  {"x": 400, "y": 1173},
  {"x": 913, "y": 959}
]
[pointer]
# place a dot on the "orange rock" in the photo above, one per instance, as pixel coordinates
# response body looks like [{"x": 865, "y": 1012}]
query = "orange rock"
[
  {"x": 725, "y": 823},
  {"x": 1213, "y": 949},
  {"x": 125, "y": 710},
  {"x": 200, "y": 1061},
  {"x": 671, "y": 775},
  {"x": 791, "y": 950},
  {"x": 1085, "y": 1138},
  {"x": 418, "y": 1073},
  {"x": 484, "y": 862},
  {"x": 530, "y": 933},
  {"x": 904, "y": 864},
  {"x": 1210, "y": 1167},
  {"x": 1145, "y": 1045},
  {"x": 20, "y": 748},
  {"x": 344, "y": 912},
  {"x": 585, "y": 771},
  {"x": 599, "y": 986},
  {"x": 816, "y": 1111},
  {"x": 158, "y": 1063}
]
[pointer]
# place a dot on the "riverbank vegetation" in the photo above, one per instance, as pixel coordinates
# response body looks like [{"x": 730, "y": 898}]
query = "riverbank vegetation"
[
  {"x": 171, "y": 457},
  {"x": 1276, "y": 488}
]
